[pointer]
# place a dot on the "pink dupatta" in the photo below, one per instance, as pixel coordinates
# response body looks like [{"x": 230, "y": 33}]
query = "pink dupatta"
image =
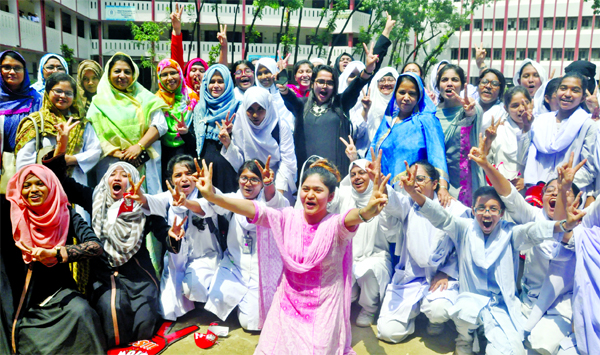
[{"x": 279, "y": 243}]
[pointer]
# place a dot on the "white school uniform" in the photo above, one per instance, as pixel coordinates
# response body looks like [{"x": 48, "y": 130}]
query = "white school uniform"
[
  {"x": 487, "y": 277},
  {"x": 552, "y": 144},
  {"x": 413, "y": 273},
  {"x": 236, "y": 281},
  {"x": 372, "y": 262},
  {"x": 547, "y": 283},
  {"x": 187, "y": 275},
  {"x": 509, "y": 150}
]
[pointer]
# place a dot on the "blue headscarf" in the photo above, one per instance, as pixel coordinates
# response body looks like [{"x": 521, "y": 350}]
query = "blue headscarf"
[
  {"x": 15, "y": 105},
  {"x": 40, "y": 84},
  {"x": 419, "y": 136},
  {"x": 210, "y": 110}
]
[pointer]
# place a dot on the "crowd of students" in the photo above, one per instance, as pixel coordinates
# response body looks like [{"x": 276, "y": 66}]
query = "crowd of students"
[{"x": 287, "y": 200}]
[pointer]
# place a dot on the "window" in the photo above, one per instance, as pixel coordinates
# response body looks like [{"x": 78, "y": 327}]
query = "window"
[
  {"x": 499, "y": 24},
  {"x": 596, "y": 52},
  {"x": 66, "y": 22},
  {"x": 545, "y": 54},
  {"x": 557, "y": 54},
  {"x": 467, "y": 27},
  {"x": 119, "y": 32},
  {"x": 597, "y": 22},
  {"x": 487, "y": 25},
  {"x": 569, "y": 54},
  {"x": 586, "y": 22},
  {"x": 497, "y": 54},
  {"x": 454, "y": 54},
  {"x": 477, "y": 24},
  {"x": 94, "y": 30},
  {"x": 532, "y": 54},
  {"x": 512, "y": 24},
  {"x": 572, "y": 24},
  {"x": 523, "y": 24},
  {"x": 583, "y": 54},
  {"x": 534, "y": 24},
  {"x": 560, "y": 24},
  {"x": 520, "y": 54},
  {"x": 80, "y": 28},
  {"x": 464, "y": 53},
  {"x": 510, "y": 54}
]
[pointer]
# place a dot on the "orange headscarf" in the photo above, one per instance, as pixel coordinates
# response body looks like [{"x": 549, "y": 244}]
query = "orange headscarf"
[{"x": 45, "y": 226}]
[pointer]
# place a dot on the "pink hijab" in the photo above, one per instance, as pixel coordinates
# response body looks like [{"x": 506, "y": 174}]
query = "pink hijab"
[
  {"x": 45, "y": 226},
  {"x": 188, "y": 67}
]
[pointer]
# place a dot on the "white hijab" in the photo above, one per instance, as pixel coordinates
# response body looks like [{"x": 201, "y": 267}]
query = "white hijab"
[
  {"x": 538, "y": 98},
  {"x": 361, "y": 199},
  {"x": 284, "y": 113},
  {"x": 379, "y": 101},
  {"x": 356, "y": 65},
  {"x": 256, "y": 142}
]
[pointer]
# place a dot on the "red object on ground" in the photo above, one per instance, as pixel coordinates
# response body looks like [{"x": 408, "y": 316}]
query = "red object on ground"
[
  {"x": 157, "y": 344},
  {"x": 205, "y": 341}
]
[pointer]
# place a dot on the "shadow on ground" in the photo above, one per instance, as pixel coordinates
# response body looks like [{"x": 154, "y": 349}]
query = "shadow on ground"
[{"x": 364, "y": 340}]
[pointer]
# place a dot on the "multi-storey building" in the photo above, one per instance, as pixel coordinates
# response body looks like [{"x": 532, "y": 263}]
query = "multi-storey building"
[
  {"x": 552, "y": 32},
  {"x": 98, "y": 28}
]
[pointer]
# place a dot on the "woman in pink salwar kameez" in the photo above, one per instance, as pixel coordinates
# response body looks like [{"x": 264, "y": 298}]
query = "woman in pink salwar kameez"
[{"x": 307, "y": 255}]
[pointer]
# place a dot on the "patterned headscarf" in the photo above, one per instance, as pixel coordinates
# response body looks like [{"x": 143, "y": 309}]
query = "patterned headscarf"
[
  {"x": 181, "y": 101},
  {"x": 84, "y": 66},
  {"x": 51, "y": 117},
  {"x": 122, "y": 238}
]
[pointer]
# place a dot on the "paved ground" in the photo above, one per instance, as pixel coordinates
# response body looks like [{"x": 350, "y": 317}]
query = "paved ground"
[{"x": 363, "y": 339}]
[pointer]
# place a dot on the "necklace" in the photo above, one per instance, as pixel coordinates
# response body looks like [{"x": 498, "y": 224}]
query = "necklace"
[{"x": 318, "y": 111}]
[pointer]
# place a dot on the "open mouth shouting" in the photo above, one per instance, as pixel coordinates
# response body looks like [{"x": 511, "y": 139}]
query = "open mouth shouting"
[
  {"x": 487, "y": 225},
  {"x": 245, "y": 82},
  {"x": 322, "y": 95},
  {"x": 310, "y": 205}
]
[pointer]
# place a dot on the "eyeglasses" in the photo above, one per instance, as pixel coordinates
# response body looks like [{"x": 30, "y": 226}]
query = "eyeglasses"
[
  {"x": 323, "y": 82},
  {"x": 246, "y": 71},
  {"x": 253, "y": 181},
  {"x": 386, "y": 81},
  {"x": 55, "y": 67},
  {"x": 8, "y": 68},
  {"x": 494, "y": 83},
  {"x": 494, "y": 211},
  {"x": 422, "y": 178},
  {"x": 60, "y": 92}
]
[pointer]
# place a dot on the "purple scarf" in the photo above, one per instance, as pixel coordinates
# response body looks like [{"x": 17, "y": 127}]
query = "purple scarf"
[{"x": 15, "y": 105}]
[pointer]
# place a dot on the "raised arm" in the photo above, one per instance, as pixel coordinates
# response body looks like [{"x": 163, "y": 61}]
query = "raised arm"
[
  {"x": 377, "y": 202},
  {"x": 236, "y": 205},
  {"x": 176, "y": 37},
  {"x": 222, "y": 37}
]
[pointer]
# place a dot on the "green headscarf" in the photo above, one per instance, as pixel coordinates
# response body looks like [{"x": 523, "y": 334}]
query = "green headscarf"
[{"x": 122, "y": 118}]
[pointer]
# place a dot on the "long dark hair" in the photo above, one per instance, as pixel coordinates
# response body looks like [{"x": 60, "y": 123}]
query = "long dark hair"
[
  {"x": 459, "y": 71},
  {"x": 329, "y": 174},
  {"x": 311, "y": 97}
]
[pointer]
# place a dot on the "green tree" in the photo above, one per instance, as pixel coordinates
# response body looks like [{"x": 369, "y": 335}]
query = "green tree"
[
  {"x": 252, "y": 35},
  {"x": 147, "y": 36},
  {"x": 68, "y": 53}
]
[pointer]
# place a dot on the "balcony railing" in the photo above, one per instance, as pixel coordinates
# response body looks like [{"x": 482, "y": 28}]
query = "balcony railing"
[
  {"x": 163, "y": 50},
  {"x": 270, "y": 17}
]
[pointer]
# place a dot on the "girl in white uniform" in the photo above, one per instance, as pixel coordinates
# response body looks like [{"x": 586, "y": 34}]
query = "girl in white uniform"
[
  {"x": 236, "y": 283},
  {"x": 190, "y": 263}
]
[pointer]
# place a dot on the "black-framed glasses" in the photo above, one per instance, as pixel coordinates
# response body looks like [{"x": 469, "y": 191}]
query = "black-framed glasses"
[
  {"x": 16, "y": 68},
  {"x": 495, "y": 83},
  {"x": 323, "y": 82},
  {"x": 494, "y": 211},
  {"x": 253, "y": 181},
  {"x": 60, "y": 92}
]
